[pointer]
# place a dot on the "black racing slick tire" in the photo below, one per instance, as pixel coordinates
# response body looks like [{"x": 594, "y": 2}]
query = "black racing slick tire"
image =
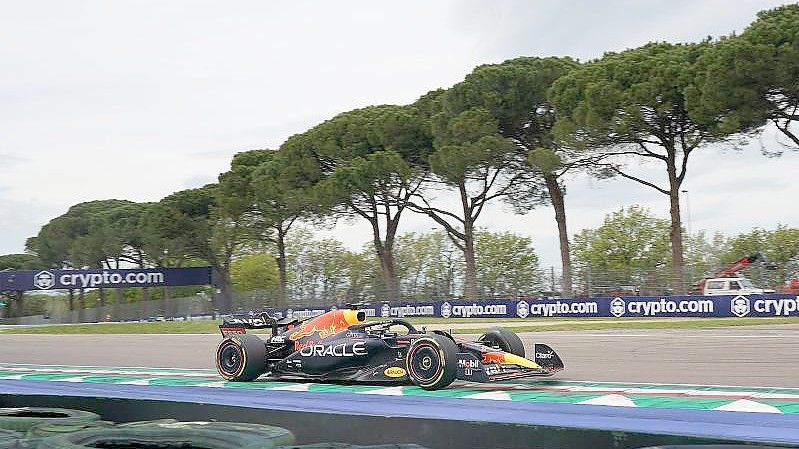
[
  {"x": 48, "y": 429},
  {"x": 155, "y": 438},
  {"x": 23, "y": 418},
  {"x": 9, "y": 439},
  {"x": 352, "y": 446},
  {"x": 432, "y": 362},
  {"x": 503, "y": 339},
  {"x": 277, "y": 435},
  {"x": 241, "y": 358}
]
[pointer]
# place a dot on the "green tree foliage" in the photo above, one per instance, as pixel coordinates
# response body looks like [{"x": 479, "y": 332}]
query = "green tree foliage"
[
  {"x": 14, "y": 303},
  {"x": 194, "y": 220},
  {"x": 364, "y": 164},
  {"x": 323, "y": 271},
  {"x": 632, "y": 105},
  {"x": 88, "y": 234},
  {"x": 269, "y": 204},
  {"x": 749, "y": 80},
  {"x": 780, "y": 246},
  {"x": 630, "y": 245},
  {"x": 703, "y": 254},
  {"x": 473, "y": 158},
  {"x": 515, "y": 93},
  {"x": 254, "y": 272},
  {"x": 19, "y": 262},
  {"x": 94, "y": 234},
  {"x": 507, "y": 265},
  {"x": 429, "y": 266}
]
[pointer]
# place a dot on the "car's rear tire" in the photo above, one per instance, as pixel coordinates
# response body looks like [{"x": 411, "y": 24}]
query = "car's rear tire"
[
  {"x": 503, "y": 339},
  {"x": 432, "y": 362},
  {"x": 241, "y": 358}
]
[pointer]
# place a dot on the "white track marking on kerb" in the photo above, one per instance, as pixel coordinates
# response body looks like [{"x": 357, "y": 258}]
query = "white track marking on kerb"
[
  {"x": 76, "y": 379},
  {"x": 12, "y": 376},
  {"x": 390, "y": 391},
  {"x": 745, "y": 405},
  {"x": 655, "y": 391},
  {"x": 218, "y": 384},
  {"x": 136, "y": 382},
  {"x": 491, "y": 395},
  {"x": 613, "y": 400},
  {"x": 720, "y": 393},
  {"x": 295, "y": 387},
  {"x": 776, "y": 396}
]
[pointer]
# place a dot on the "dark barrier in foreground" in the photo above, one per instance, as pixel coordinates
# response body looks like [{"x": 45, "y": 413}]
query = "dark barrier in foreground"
[
  {"x": 740, "y": 306},
  {"x": 369, "y": 429}
]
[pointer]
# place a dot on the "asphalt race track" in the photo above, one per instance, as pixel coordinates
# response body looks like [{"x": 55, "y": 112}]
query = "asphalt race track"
[
  {"x": 748, "y": 356},
  {"x": 735, "y": 383}
]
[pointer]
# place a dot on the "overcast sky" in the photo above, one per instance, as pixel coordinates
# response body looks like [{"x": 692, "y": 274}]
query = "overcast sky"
[{"x": 135, "y": 100}]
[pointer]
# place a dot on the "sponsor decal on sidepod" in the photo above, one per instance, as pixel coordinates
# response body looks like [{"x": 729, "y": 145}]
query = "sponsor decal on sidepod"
[
  {"x": 339, "y": 350},
  {"x": 394, "y": 371},
  {"x": 544, "y": 355},
  {"x": 468, "y": 363}
]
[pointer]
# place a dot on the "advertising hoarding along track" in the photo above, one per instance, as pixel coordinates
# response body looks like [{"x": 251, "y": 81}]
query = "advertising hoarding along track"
[
  {"x": 740, "y": 306},
  {"x": 43, "y": 280}
]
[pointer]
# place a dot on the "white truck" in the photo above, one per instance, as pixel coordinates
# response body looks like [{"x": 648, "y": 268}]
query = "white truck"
[{"x": 732, "y": 286}]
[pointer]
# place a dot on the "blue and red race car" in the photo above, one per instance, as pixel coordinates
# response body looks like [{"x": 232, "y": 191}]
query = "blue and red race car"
[{"x": 341, "y": 346}]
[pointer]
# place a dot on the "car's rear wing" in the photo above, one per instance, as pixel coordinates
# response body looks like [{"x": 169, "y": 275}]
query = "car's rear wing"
[{"x": 239, "y": 323}]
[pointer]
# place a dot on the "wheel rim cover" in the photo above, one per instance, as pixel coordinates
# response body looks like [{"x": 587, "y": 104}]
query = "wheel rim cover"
[
  {"x": 425, "y": 362},
  {"x": 230, "y": 359}
]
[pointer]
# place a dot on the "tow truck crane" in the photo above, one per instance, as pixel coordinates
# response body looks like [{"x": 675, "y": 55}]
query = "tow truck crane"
[
  {"x": 792, "y": 285},
  {"x": 730, "y": 282}
]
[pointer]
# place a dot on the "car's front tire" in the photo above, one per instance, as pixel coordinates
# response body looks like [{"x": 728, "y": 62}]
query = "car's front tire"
[
  {"x": 241, "y": 358},
  {"x": 432, "y": 362},
  {"x": 503, "y": 339}
]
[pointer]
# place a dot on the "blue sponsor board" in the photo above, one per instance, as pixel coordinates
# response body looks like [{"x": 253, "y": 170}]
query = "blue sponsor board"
[
  {"x": 42, "y": 280},
  {"x": 740, "y": 306}
]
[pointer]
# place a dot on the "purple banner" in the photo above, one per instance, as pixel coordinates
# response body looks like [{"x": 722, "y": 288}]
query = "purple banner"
[
  {"x": 43, "y": 280},
  {"x": 739, "y": 306}
]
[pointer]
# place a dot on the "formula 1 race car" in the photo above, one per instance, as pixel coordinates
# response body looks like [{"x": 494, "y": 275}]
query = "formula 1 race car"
[{"x": 340, "y": 346}]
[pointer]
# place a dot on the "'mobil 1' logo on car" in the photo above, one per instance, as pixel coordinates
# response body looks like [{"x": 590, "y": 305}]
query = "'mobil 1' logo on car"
[
  {"x": 740, "y": 306},
  {"x": 618, "y": 307},
  {"x": 44, "y": 280}
]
